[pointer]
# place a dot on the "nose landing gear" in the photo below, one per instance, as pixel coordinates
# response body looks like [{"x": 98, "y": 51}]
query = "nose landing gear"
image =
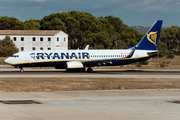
[{"x": 21, "y": 69}]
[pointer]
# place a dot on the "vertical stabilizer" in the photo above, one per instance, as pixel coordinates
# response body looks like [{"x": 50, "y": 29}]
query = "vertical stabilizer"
[{"x": 150, "y": 40}]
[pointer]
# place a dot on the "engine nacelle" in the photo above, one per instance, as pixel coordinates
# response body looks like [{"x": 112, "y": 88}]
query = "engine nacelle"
[{"x": 75, "y": 65}]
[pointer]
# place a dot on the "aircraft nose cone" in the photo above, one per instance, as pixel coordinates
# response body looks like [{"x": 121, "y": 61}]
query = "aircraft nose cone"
[{"x": 8, "y": 61}]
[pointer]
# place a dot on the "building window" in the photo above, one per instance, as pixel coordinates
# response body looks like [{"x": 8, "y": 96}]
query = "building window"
[
  {"x": 41, "y": 39},
  {"x": 41, "y": 48},
  {"x": 33, "y": 48},
  {"x": 49, "y": 48},
  {"x": 64, "y": 39},
  {"x": 57, "y": 39},
  {"x": 22, "y": 38},
  {"x": 22, "y": 48},
  {"x": 49, "y": 39},
  {"x": 34, "y": 39},
  {"x": 14, "y": 38}
]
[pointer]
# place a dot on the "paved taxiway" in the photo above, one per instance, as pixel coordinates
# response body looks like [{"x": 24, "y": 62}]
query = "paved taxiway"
[
  {"x": 93, "y": 105},
  {"x": 111, "y": 73}
]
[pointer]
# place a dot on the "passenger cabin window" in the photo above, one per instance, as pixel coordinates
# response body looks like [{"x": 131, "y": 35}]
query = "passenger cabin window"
[
  {"x": 41, "y": 39},
  {"x": 41, "y": 48},
  {"x": 57, "y": 39},
  {"x": 64, "y": 39},
  {"x": 49, "y": 48},
  {"x": 49, "y": 39}
]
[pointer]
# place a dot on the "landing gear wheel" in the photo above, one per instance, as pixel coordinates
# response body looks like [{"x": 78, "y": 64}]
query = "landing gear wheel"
[
  {"x": 90, "y": 70},
  {"x": 21, "y": 70}
]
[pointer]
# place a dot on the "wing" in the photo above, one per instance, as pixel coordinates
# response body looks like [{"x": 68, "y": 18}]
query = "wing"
[{"x": 95, "y": 62}]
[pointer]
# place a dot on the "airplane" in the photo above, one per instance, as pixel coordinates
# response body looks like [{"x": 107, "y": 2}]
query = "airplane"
[{"x": 81, "y": 59}]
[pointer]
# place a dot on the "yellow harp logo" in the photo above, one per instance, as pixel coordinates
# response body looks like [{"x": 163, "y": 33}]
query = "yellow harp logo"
[{"x": 152, "y": 36}]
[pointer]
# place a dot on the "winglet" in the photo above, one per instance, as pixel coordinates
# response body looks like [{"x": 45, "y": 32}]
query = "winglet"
[{"x": 87, "y": 47}]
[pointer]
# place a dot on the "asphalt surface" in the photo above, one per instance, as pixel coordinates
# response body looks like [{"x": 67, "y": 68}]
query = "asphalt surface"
[
  {"x": 93, "y": 105},
  {"x": 111, "y": 73},
  {"x": 89, "y": 105}
]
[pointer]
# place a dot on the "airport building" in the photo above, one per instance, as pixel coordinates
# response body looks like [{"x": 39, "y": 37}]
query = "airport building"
[{"x": 28, "y": 40}]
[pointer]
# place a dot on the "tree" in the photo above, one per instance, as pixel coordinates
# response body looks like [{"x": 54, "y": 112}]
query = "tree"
[
  {"x": 169, "y": 36},
  {"x": 88, "y": 24},
  {"x": 98, "y": 40},
  {"x": 10, "y": 23},
  {"x": 178, "y": 40},
  {"x": 170, "y": 54},
  {"x": 32, "y": 24},
  {"x": 7, "y": 47},
  {"x": 73, "y": 30},
  {"x": 83, "y": 28},
  {"x": 122, "y": 35},
  {"x": 52, "y": 22}
]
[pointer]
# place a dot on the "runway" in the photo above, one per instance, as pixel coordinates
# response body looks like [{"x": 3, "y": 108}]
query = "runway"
[
  {"x": 142, "y": 104},
  {"x": 93, "y": 105},
  {"x": 103, "y": 73}
]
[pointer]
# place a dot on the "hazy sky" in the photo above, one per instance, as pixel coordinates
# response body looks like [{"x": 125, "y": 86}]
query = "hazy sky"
[{"x": 131, "y": 12}]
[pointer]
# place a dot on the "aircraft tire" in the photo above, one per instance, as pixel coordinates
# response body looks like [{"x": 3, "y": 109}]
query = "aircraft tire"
[{"x": 90, "y": 70}]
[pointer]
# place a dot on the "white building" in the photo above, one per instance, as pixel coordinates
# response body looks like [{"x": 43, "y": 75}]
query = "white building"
[{"x": 28, "y": 40}]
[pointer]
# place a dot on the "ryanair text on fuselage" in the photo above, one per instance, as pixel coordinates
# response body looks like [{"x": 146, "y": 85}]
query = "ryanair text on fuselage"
[{"x": 79, "y": 55}]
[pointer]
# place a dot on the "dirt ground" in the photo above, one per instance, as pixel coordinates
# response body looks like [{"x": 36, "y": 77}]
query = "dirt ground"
[{"x": 71, "y": 84}]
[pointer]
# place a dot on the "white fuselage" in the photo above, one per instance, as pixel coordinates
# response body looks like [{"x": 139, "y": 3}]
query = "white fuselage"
[{"x": 56, "y": 58}]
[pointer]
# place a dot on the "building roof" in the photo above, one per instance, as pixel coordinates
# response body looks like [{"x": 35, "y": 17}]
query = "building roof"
[{"x": 30, "y": 32}]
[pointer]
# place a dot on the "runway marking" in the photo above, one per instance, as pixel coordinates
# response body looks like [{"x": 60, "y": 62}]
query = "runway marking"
[
  {"x": 174, "y": 101},
  {"x": 20, "y": 102}
]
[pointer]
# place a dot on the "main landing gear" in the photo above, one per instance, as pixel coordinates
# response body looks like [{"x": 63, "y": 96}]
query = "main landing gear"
[
  {"x": 89, "y": 70},
  {"x": 21, "y": 70}
]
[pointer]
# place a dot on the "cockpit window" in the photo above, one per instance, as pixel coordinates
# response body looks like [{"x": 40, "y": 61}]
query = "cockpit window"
[{"x": 15, "y": 56}]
